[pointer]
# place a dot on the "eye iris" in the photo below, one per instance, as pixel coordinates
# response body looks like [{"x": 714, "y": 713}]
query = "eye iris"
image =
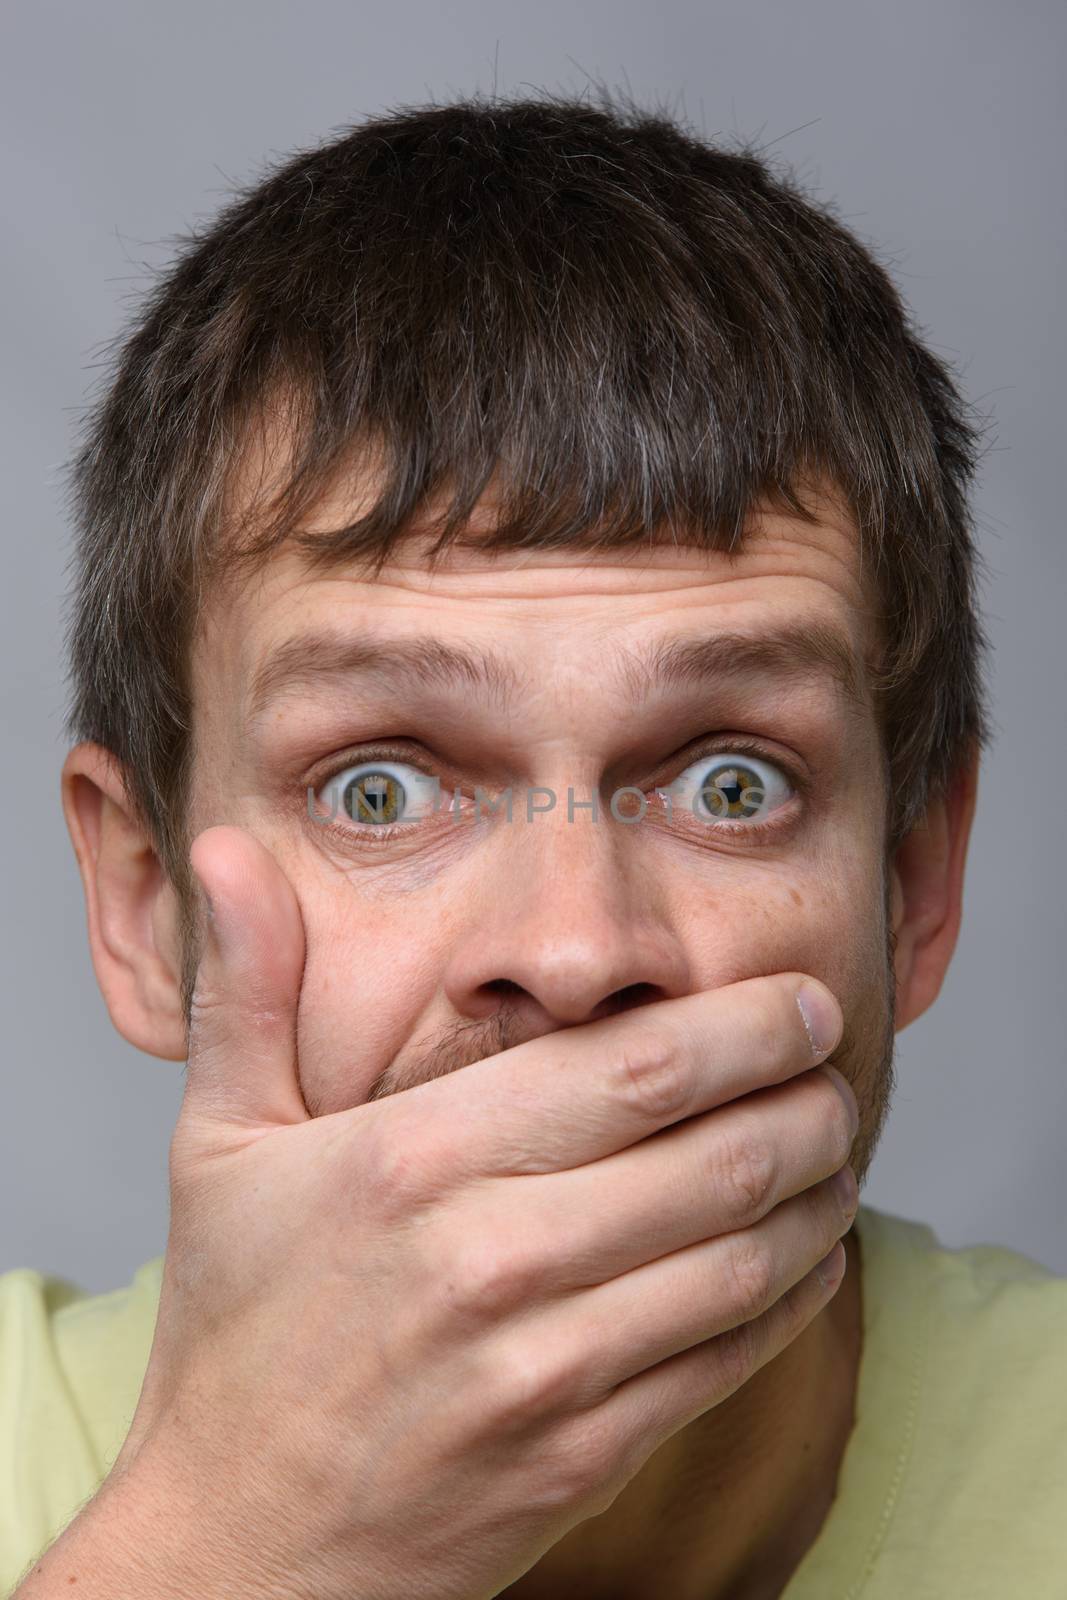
[
  {"x": 374, "y": 797},
  {"x": 732, "y": 791}
]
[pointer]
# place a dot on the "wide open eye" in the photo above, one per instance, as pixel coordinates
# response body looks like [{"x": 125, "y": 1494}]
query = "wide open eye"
[
  {"x": 727, "y": 788},
  {"x": 377, "y": 793}
]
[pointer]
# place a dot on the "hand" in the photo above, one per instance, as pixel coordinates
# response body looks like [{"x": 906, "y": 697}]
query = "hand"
[{"x": 404, "y": 1348}]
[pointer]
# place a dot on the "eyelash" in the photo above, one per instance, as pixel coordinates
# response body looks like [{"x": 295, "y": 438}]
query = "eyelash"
[{"x": 376, "y": 837}]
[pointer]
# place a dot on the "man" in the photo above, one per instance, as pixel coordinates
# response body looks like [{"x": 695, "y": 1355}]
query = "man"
[{"x": 525, "y": 642}]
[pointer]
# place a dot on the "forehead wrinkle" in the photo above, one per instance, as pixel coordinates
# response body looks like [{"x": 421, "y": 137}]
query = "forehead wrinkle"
[
  {"x": 312, "y": 658},
  {"x": 798, "y": 652},
  {"x": 793, "y": 652}
]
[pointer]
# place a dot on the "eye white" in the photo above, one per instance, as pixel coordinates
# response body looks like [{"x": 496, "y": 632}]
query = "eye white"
[
  {"x": 730, "y": 787},
  {"x": 375, "y": 793}
]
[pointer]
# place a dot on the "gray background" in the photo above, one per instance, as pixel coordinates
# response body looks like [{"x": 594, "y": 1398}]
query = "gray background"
[{"x": 937, "y": 128}]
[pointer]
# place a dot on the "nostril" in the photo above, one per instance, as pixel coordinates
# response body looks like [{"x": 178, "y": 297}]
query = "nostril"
[{"x": 635, "y": 994}]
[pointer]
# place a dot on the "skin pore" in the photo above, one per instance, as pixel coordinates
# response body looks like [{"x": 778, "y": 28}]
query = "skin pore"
[{"x": 456, "y": 938}]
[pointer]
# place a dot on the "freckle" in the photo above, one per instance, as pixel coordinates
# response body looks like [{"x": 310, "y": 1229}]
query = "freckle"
[{"x": 795, "y": 897}]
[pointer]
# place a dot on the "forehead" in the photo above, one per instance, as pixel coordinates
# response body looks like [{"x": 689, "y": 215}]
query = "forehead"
[{"x": 555, "y": 606}]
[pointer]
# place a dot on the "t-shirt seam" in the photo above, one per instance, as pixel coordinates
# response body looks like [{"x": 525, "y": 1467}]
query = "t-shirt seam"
[{"x": 919, "y": 1357}]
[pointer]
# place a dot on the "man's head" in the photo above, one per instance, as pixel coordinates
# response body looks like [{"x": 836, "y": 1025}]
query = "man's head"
[{"x": 531, "y": 447}]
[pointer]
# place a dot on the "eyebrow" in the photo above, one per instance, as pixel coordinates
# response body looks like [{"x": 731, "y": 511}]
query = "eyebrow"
[{"x": 793, "y": 652}]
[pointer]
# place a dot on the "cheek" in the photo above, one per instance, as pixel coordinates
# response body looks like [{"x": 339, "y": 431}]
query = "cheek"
[
  {"x": 369, "y": 975},
  {"x": 823, "y": 917}
]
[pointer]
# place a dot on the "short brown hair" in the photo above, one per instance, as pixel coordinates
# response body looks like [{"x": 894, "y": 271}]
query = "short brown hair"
[{"x": 636, "y": 330}]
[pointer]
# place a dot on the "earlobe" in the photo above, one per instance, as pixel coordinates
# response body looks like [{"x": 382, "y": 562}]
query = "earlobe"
[
  {"x": 130, "y": 905},
  {"x": 926, "y": 886}
]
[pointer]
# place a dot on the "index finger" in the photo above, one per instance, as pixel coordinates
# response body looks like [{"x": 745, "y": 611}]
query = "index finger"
[{"x": 580, "y": 1093}]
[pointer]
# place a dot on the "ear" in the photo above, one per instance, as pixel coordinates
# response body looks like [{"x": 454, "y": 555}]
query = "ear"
[
  {"x": 926, "y": 885},
  {"x": 131, "y": 906}
]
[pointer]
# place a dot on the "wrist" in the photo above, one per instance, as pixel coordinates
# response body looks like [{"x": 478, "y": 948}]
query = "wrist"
[{"x": 139, "y": 1536}]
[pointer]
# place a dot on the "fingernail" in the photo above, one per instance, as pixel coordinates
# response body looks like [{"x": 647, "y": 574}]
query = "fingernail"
[{"x": 822, "y": 1016}]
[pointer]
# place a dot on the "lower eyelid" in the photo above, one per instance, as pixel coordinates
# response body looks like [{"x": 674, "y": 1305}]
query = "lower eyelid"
[
  {"x": 738, "y": 833},
  {"x": 375, "y": 834},
  {"x": 783, "y": 818}
]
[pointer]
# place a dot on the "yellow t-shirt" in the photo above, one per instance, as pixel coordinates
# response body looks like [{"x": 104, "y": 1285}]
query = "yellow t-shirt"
[{"x": 953, "y": 1485}]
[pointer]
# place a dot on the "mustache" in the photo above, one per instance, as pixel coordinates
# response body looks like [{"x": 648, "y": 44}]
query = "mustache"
[{"x": 460, "y": 1045}]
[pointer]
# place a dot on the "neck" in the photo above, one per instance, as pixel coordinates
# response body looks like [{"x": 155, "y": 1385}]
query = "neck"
[{"x": 729, "y": 1505}]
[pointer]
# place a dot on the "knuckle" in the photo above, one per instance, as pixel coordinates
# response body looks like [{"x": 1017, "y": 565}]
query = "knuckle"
[
  {"x": 654, "y": 1076},
  {"x": 745, "y": 1174},
  {"x": 490, "y": 1277},
  {"x": 751, "y": 1277},
  {"x": 398, "y": 1174},
  {"x": 582, "y": 1466},
  {"x": 531, "y": 1385}
]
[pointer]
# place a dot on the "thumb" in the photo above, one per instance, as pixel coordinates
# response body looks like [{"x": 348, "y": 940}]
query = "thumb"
[{"x": 242, "y": 1066}]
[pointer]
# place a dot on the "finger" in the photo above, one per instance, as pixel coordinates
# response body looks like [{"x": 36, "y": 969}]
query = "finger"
[
  {"x": 652, "y": 1406},
  {"x": 646, "y": 1316},
  {"x": 674, "y": 1338},
  {"x": 242, "y": 1034},
  {"x": 584, "y": 1092},
  {"x": 711, "y": 1175}
]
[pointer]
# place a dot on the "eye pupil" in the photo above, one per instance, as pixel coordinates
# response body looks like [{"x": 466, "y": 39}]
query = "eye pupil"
[
  {"x": 374, "y": 797},
  {"x": 732, "y": 791}
]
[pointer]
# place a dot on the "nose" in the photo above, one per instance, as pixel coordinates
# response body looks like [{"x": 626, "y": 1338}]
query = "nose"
[{"x": 566, "y": 923}]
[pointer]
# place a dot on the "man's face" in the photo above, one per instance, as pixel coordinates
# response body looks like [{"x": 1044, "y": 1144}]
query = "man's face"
[{"x": 435, "y": 942}]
